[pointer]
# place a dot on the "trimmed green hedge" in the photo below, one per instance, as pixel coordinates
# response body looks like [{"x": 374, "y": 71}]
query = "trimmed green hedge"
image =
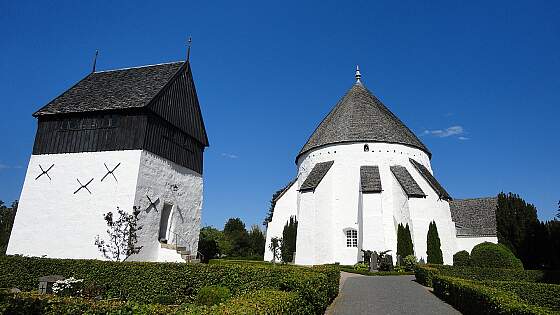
[
  {"x": 379, "y": 273},
  {"x": 540, "y": 294},
  {"x": 424, "y": 274},
  {"x": 257, "y": 302},
  {"x": 145, "y": 283},
  {"x": 490, "y": 255},
  {"x": 470, "y": 297}
]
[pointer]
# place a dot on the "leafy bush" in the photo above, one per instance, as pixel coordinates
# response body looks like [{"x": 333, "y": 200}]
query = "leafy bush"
[
  {"x": 378, "y": 273},
  {"x": 540, "y": 294},
  {"x": 361, "y": 267},
  {"x": 144, "y": 282},
  {"x": 409, "y": 263},
  {"x": 34, "y": 303},
  {"x": 470, "y": 297},
  {"x": 461, "y": 258},
  {"x": 257, "y": 302},
  {"x": 490, "y": 255},
  {"x": 424, "y": 274},
  {"x": 212, "y": 295}
]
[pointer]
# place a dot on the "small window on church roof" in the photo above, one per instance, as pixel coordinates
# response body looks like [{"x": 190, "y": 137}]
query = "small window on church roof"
[{"x": 351, "y": 238}]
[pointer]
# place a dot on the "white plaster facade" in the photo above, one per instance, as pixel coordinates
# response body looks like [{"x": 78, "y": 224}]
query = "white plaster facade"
[
  {"x": 337, "y": 204},
  {"x": 53, "y": 221}
]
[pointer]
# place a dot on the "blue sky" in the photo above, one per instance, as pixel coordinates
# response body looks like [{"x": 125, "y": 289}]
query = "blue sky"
[{"x": 478, "y": 81}]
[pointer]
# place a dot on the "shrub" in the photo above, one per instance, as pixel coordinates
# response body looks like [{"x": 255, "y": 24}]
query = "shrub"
[
  {"x": 470, "y": 297},
  {"x": 361, "y": 267},
  {"x": 492, "y": 255},
  {"x": 409, "y": 263},
  {"x": 461, "y": 259},
  {"x": 540, "y": 294},
  {"x": 143, "y": 282},
  {"x": 435, "y": 255},
  {"x": 424, "y": 274},
  {"x": 212, "y": 295}
]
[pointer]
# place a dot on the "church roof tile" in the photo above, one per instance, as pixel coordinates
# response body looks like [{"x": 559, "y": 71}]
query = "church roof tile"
[
  {"x": 316, "y": 175},
  {"x": 370, "y": 179},
  {"x": 409, "y": 185},
  {"x": 360, "y": 116},
  {"x": 474, "y": 217}
]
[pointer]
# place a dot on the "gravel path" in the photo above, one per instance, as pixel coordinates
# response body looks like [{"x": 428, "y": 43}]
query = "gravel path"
[{"x": 386, "y": 295}]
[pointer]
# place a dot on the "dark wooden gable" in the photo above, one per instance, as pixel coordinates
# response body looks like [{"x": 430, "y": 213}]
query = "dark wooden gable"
[
  {"x": 168, "y": 123},
  {"x": 178, "y": 104}
]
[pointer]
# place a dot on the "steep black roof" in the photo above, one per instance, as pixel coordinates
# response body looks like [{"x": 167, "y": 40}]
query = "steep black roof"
[
  {"x": 370, "y": 179},
  {"x": 436, "y": 186},
  {"x": 474, "y": 217},
  {"x": 360, "y": 116},
  {"x": 316, "y": 175},
  {"x": 154, "y": 87},
  {"x": 409, "y": 185}
]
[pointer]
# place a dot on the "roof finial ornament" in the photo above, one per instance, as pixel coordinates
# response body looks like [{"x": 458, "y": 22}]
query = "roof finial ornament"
[
  {"x": 358, "y": 75},
  {"x": 189, "y": 48},
  {"x": 95, "y": 60}
]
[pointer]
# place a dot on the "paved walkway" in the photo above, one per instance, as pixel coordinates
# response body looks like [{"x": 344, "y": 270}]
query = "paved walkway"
[{"x": 386, "y": 295}]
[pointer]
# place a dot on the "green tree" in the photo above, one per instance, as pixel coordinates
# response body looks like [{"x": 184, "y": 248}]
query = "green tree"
[
  {"x": 517, "y": 228},
  {"x": 209, "y": 243},
  {"x": 435, "y": 255},
  {"x": 404, "y": 241},
  {"x": 257, "y": 242},
  {"x": 289, "y": 235},
  {"x": 7, "y": 216},
  {"x": 236, "y": 234},
  {"x": 409, "y": 249}
]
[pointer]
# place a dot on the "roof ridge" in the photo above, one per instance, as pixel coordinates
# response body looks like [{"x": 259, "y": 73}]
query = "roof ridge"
[{"x": 139, "y": 67}]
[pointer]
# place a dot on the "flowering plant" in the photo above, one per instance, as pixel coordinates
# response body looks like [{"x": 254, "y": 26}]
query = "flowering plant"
[{"x": 68, "y": 287}]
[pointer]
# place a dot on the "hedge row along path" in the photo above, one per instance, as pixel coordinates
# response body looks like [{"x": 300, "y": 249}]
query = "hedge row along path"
[{"x": 386, "y": 295}]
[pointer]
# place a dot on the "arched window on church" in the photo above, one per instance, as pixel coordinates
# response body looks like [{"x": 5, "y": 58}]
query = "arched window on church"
[
  {"x": 366, "y": 148},
  {"x": 351, "y": 238}
]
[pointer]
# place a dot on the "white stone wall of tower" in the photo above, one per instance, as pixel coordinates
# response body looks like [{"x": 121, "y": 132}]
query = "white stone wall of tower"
[
  {"x": 54, "y": 222},
  {"x": 285, "y": 207},
  {"x": 346, "y": 204},
  {"x": 166, "y": 182}
]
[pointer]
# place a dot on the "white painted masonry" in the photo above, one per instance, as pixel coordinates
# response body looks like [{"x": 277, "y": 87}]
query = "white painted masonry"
[
  {"x": 286, "y": 206},
  {"x": 338, "y": 204},
  {"x": 55, "y": 222}
]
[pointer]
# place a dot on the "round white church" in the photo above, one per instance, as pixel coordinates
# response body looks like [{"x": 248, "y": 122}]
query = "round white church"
[{"x": 360, "y": 174}]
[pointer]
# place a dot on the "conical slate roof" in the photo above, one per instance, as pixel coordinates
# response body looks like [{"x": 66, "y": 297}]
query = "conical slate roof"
[{"x": 359, "y": 117}]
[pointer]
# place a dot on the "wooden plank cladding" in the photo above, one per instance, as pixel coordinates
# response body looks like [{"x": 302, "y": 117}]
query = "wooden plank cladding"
[{"x": 90, "y": 133}]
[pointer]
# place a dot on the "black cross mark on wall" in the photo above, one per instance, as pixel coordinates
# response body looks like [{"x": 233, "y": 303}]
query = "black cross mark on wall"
[
  {"x": 110, "y": 172},
  {"x": 153, "y": 204},
  {"x": 83, "y": 186},
  {"x": 43, "y": 172}
]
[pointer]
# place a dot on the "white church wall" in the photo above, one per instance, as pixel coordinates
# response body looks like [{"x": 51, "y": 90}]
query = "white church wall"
[
  {"x": 372, "y": 226},
  {"x": 285, "y": 207},
  {"x": 54, "y": 221},
  {"x": 166, "y": 182},
  {"x": 326, "y": 236},
  {"x": 345, "y": 189},
  {"x": 305, "y": 241},
  {"x": 467, "y": 243}
]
